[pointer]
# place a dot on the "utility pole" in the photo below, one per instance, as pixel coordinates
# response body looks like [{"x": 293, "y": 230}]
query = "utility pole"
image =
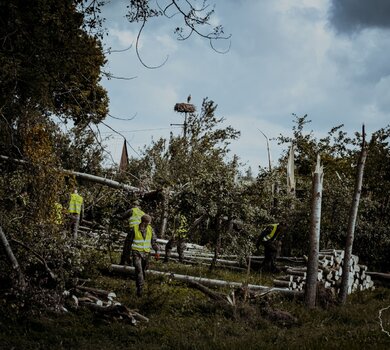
[{"x": 184, "y": 107}]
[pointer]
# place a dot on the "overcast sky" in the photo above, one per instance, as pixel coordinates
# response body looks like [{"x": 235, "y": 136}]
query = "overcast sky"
[{"x": 329, "y": 59}]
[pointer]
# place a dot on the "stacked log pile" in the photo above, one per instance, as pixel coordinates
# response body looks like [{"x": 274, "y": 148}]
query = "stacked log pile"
[{"x": 330, "y": 266}]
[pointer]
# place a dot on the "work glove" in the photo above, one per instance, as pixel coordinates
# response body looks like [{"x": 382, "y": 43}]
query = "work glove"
[{"x": 157, "y": 256}]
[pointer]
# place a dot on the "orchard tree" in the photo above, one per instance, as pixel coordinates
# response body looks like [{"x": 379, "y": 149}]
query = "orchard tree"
[
  {"x": 197, "y": 172},
  {"x": 339, "y": 154},
  {"x": 51, "y": 59}
]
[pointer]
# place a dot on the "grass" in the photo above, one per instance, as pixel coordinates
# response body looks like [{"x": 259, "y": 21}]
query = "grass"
[{"x": 184, "y": 318}]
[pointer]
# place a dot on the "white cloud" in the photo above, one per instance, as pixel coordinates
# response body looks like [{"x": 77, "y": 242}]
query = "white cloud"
[
  {"x": 125, "y": 38},
  {"x": 284, "y": 59}
]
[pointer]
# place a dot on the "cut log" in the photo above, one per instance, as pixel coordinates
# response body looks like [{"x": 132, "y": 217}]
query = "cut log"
[
  {"x": 201, "y": 280},
  {"x": 378, "y": 275},
  {"x": 286, "y": 284}
]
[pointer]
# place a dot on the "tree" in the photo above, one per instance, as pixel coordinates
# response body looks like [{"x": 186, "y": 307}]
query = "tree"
[
  {"x": 352, "y": 222},
  {"x": 50, "y": 67},
  {"x": 312, "y": 264},
  {"x": 196, "y": 170}
]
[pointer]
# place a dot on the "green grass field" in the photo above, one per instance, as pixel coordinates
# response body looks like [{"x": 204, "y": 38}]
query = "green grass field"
[{"x": 184, "y": 318}]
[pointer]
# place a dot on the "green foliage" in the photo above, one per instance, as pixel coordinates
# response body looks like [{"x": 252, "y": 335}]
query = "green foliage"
[
  {"x": 339, "y": 154},
  {"x": 195, "y": 170},
  {"x": 50, "y": 65}
]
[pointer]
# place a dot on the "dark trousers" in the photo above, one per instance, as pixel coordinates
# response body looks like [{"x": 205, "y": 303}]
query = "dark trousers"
[
  {"x": 181, "y": 246},
  {"x": 141, "y": 264},
  {"x": 126, "y": 252},
  {"x": 271, "y": 253},
  {"x": 74, "y": 223}
]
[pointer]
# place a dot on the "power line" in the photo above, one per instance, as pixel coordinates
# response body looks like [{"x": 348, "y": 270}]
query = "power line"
[{"x": 124, "y": 131}]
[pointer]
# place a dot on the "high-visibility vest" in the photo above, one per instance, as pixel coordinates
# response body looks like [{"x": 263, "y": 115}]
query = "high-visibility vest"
[
  {"x": 58, "y": 213},
  {"x": 140, "y": 243},
  {"x": 183, "y": 227},
  {"x": 135, "y": 218},
  {"x": 76, "y": 201},
  {"x": 271, "y": 235}
]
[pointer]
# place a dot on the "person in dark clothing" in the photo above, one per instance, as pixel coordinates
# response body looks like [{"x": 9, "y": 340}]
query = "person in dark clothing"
[
  {"x": 269, "y": 238},
  {"x": 179, "y": 239}
]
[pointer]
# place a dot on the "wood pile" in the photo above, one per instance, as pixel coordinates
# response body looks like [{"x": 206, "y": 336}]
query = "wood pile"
[{"x": 330, "y": 266}]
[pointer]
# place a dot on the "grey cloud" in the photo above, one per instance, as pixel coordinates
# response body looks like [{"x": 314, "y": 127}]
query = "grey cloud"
[{"x": 350, "y": 16}]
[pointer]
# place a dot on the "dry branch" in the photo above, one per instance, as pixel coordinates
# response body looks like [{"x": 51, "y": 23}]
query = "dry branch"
[
  {"x": 42, "y": 260},
  {"x": 12, "y": 259}
]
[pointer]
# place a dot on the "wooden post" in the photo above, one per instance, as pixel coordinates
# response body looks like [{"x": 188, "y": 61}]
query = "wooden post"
[
  {"x": 312, "y": 264},
  {"x": 352, "y": 221}
]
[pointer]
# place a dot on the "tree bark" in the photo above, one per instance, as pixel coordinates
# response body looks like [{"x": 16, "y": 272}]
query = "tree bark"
[
  {"x": 352, "y": 222},
  {"x": 164, "y": 217},
  {"x": 217, "y": 246},
  {"x": 312, "y": 264},
  {"x": 21, "y": 283}
]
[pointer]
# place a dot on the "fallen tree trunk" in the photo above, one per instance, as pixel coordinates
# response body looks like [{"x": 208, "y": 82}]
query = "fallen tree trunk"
[
  {"x": 201, "y": 280},
  {"x": 213, "y": 295},
  {"x": 379, "y": 275},
  {"x": 89, "y": 177},
  {"x": 11, "y": 257}
]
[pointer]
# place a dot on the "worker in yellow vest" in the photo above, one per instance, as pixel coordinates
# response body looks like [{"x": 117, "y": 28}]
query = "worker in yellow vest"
[
  {"x": 179, "y": 238},
  {"x": 142, "y": 238},
  {"x": 270, "y": 239},
  {"x": 76, "y": 210},
  {"x": 134, "y": 214},
  {"x": 58, "y": 214}
]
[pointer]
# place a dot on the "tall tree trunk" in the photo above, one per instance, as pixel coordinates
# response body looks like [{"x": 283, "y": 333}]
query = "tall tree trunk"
[
  {"x": 164, "y": 216},
  {"x": 352, "y": 222},
  {"x": 217, "y": 246},
  {"x": 312, "y": 264},
  {"x": 291, "y": 171},
  {"x": 21, "y": 283}
]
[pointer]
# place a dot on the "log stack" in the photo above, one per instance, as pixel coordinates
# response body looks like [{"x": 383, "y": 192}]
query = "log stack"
[{"x": 330, "y": 267}]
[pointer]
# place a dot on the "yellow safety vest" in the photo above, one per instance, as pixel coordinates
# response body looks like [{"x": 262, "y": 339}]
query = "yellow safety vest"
[
  {"x": 183, "y": 227},
  {"x": 272, "y": 233},
  {"x": 139, "y": 243},
  {"x": 135, "y": 218},
  {"x": 76, "y": 201},
  {"x": 58, "y": 213}
]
